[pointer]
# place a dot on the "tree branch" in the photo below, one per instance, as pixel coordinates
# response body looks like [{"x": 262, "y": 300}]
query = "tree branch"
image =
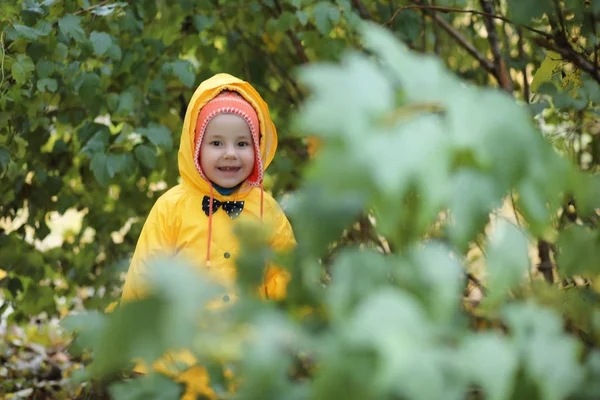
[
  {"x": 459, "y": 10},
  {"x": 501, "y": 72},
  {"x": 464, "y": 42},
  {"x": 562, "y": 47},
  {"x": 362, "y": 11},
  {"x": 526, "y": 90},
  {"x": 92, "y": 7},
  {"x": 561, "y": 18},
  {"x": 292, "y": 35},
  {"x": 436, "y": 33},
  {"x": 545, "y": 266}
]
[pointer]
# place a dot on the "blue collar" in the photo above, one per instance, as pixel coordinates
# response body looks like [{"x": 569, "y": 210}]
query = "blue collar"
[{"x": 225, "y": 191}]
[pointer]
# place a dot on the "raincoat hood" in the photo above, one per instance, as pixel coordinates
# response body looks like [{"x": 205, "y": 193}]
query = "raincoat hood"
[{"x": 205, "y": 92}]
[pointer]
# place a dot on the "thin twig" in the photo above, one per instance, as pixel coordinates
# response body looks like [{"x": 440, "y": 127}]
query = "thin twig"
[
  {"x": 596, "y": 47},
  {"x": 502, "y": 74},
  {"x": 477, "y": 282},
  {"x": 559, "y": 13},
  {"x": 545, "y": 266},
  {"x": 436, "y": 33},
  {"x": 458, "y": 10},
  {"x": 362, "y": 11},
  {"x": 3, "y": 52},
  {"x": 515, "y": 211},
  {"x": 6, "y": 16},
  {"x": 526, "y": 90},
  {"x": 423, "y": 33},
  {"x": 464, "y": 42},
  {"x": 92, "y": 7}
]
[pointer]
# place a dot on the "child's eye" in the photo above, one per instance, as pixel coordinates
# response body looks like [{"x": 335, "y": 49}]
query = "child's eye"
[
  {"x": 215, "y": 143},
  {"x": 243, "y": 144}
]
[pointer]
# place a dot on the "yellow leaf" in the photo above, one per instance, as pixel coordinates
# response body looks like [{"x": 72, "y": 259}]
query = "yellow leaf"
[
  {"x": 111, "y": 307},
  {"x": 3, "y": 274},
  {"x": 549, "y": 67},
  {"x": 313, "y": 144}
]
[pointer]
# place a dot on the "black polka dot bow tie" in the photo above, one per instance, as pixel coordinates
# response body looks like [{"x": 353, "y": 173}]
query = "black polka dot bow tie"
[{"x": 232, "y": 208}]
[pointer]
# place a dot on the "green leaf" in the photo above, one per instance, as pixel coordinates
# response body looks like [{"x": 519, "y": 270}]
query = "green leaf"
[
  {"x": 101, "y": 42},
  {"x": 523, "y": 11},
  {"x": 507, "y": 258},
  {"x": 152, "y": 386},
  {"x": 126, "y": 104},
  {"x": 474, "y": 196},
  {"x": 115, "y": 163},
  {"x": 4, "y": 158},
  {"x": 22, "y": 68},
  {"x": 44, "y": 68},
  {"x": 579, "y": 251},
  {"x": 491, "y": 362},
  {"x": 183, "y": 70},
  {"x": 146, "y": 155},
  {"x": 47, "y": 84},
  {"x": 550, "y": 356},
  {"x": 176, "y": 296},
  {"x": 203, "y": 22},
  {"x": 90, "y": 86},
  {"x": 28, "y": 32},
  {"x": 99, "y": 167},
  {"x": 443, "y": 275},
  {"x": 286, "y": 21},
  {"x": 322, "y": 17},
  {"x": 22, "y": 145},
  {"x": 115, "y": 52},
  {"x": 44, "y": 27},
  {"x": 334, "y": 14},
  {"x": 70, "y": 26},
  {"x": 60, "y": 51},
  {"x": 159, "y": 135},
  {"x": 302, "y": 17},
  {"x": 97, "y": 144},
  {"x": 350, "y": 281}
]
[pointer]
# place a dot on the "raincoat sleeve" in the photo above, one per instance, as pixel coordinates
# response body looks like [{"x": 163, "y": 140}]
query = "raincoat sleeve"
[
  {"x": 276, "y": 278},
  {"x": 155, "y": 241}
]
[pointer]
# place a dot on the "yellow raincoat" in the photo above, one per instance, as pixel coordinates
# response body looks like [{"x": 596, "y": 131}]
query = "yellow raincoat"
[{"x": 178, "y": 228}]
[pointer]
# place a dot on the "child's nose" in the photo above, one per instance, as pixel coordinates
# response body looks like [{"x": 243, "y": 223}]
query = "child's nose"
[{"x": 230, "y": 152}]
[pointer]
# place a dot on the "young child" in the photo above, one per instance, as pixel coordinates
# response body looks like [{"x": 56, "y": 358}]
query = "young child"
[{"x": 227, "y": 143}]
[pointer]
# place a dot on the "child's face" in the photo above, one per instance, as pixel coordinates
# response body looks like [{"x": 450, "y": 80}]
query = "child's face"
[{"x": 227, "y": 152}]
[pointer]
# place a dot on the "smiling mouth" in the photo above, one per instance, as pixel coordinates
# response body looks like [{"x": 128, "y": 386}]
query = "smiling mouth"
[{"x": 229, "y": 169}]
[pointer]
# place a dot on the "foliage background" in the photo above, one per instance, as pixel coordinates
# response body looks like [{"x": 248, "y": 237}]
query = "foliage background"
[{"x": 92, "y": 97}]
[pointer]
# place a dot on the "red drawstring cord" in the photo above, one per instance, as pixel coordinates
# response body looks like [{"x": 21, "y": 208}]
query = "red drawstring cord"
[{"x": 210, "y": 212}]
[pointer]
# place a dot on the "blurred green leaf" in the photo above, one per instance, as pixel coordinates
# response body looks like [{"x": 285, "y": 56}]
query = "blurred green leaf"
[
  {"x": 70, "y": 25},
  {"x": 101, "y": 42},
  {"x": 28, "y": 32},
  {"x": 4, "y": 157},
  {"x": 146, "y": 154},
  {"x": 22, "y": 68},
  {"x": 159, "y": 135},
  {"x": 47, "y": 84},
  {"x": 507, "y": 258},
  {"x": 579, "y": 251},
  {"x": 550, "y": 356},
  {"x": 153, "y": 386},
  {"x": 525, "y": 11},
  {"x": 492, "y": 361},
  {"x": 183, "y": 69},
  {"x": 99, "y": 166}
]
